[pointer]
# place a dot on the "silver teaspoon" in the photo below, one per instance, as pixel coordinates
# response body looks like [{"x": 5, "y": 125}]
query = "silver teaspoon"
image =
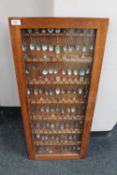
[
  {"x": 44, "y": 47},
  {"x": 51, "y": 48},
  {"x": 38, "y": 47},
  {"x": 32, "y": 46},
  {"x": 75, "y": 72},
  {"x": 73, "y": 109},
  {"x": 57, "y": 91},
  {"x": 69, "y": 71},
  {"x": 65, "y": 48},
  {"x": 36, "y": 91},
  {"x": 80, "y": 90},
  {"x": 70, "y": 48},
  {"x": 51, "y": 71},
  {"x": 63, "y": 71},
  {"x": 84, "y": 49},
  {"x": 77, "y": 48},
  {"x": 44, "y": 71},
  {"x": 24, "y": 47},
  {"x": 82, "y": 72},
  {"x": 28, "y": 91},
  {"x": 51, "y": 92},
  {"x": 50, "y": 30},
  {"x": 55, "y": 71},
  {"x": 57, "y": 30},
  {"x": 87, "y": 71}
]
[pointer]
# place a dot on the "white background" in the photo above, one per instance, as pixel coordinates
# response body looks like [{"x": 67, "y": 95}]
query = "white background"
[{"x": 106, "y": 110}]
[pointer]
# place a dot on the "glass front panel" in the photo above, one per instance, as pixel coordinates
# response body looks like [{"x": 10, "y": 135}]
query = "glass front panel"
[{"x": 58, "y": 66}]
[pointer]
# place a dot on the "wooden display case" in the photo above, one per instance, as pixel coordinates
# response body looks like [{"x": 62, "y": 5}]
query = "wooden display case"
[{"x": 58, "y": 64}]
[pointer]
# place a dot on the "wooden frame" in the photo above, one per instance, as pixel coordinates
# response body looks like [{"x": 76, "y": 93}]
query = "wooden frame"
[{"x": 16, "y": 24}]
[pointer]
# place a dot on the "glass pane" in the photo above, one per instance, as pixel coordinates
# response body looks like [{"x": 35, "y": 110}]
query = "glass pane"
[{"x": 58, "y": 66}]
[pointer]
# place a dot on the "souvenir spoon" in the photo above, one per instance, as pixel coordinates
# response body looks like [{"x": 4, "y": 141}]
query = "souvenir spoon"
[
  {"x": 65, "y": 48},
  {"x": 70, "y": 48},
  {"x": 51, "y": 92},
  {"x": 62, "y": 91},
  {"x": 82, "y": 72},
  {"x": 42, "y": 109},
  {"x": 52, "y": 126},
  {"x": 69, "y": 71},
  {"x": 36, "y": 91},
  {"x": 80, "y": 91},
  {"x": 87, "y": 71},
  {"x": 57, "y": 47},
  {"x": 55, "y": 71},
  {"x": 24, "y": 47},
  {"x": 47, "y": 109},
  {"x": 50, "y": 30},
  {"x": 91, "y": 40},
  {"x": 57, "y": 91},
  {"x": 73, "y": 109},
  {"x": 28, "y": 91},
  {"x": 84, "y": 42},
  {"x": 63, "y": 71},
  {"x": 51, "y": 71},
  {"x": 44, "y": 45},
  {"x": 44, "y": 71},
  {"x": 31, "y": 45},
  {"x": 38, "y": 47},
  {"x": 75, "y": 72},
  {"x": 56, "y": 68},
  {"x": 51, "y": 48},
  {"x": 57, "y": 31}
]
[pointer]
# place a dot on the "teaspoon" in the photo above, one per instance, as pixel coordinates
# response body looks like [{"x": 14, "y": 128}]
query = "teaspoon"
[
  {"x": 57, "y": 30},
  {"x": 62, "y": 91},
  {"x": 43, "y": 31},
  {"x": 50, "y": 30},
  {"x": 65, "y": 48},
  {"x": 75, "y": 72},
  {"x": 24, "y": 47},
  {"x": 51, "y": 92},
  {"x": 87, "y": 71},
  {"x": 73, "y": 109},
  {"x": 44, "y": 71},
  {"x": 57, "y": 91},
  {"x": 52, "y": 126},
  {"x": 63, "y": 71},
  {"x": 51, "y": 71},
  {"x": 82, "y": 72},
  {"x": 36, "y": 91},
  {"x": 77, "y": 48},
  {"x": 42, "y": 109},
  {"x": 38, "y": 47},
  {"x": 51, "y": 48},
  {"x": 44, "y": 47},
  {"x": 84, "y": 49},
  {"x": 80, "y": 90},
  {"x": 69, "y": 71},
  {"x": 28, "y": 91},
  {"x": 47, "y": 109},
  {"x": 32, "y": 46},
  {"x": 70, "y": 48},
  {"x": 27, "y": 71},
  {"x": 55, "y": 71}
]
